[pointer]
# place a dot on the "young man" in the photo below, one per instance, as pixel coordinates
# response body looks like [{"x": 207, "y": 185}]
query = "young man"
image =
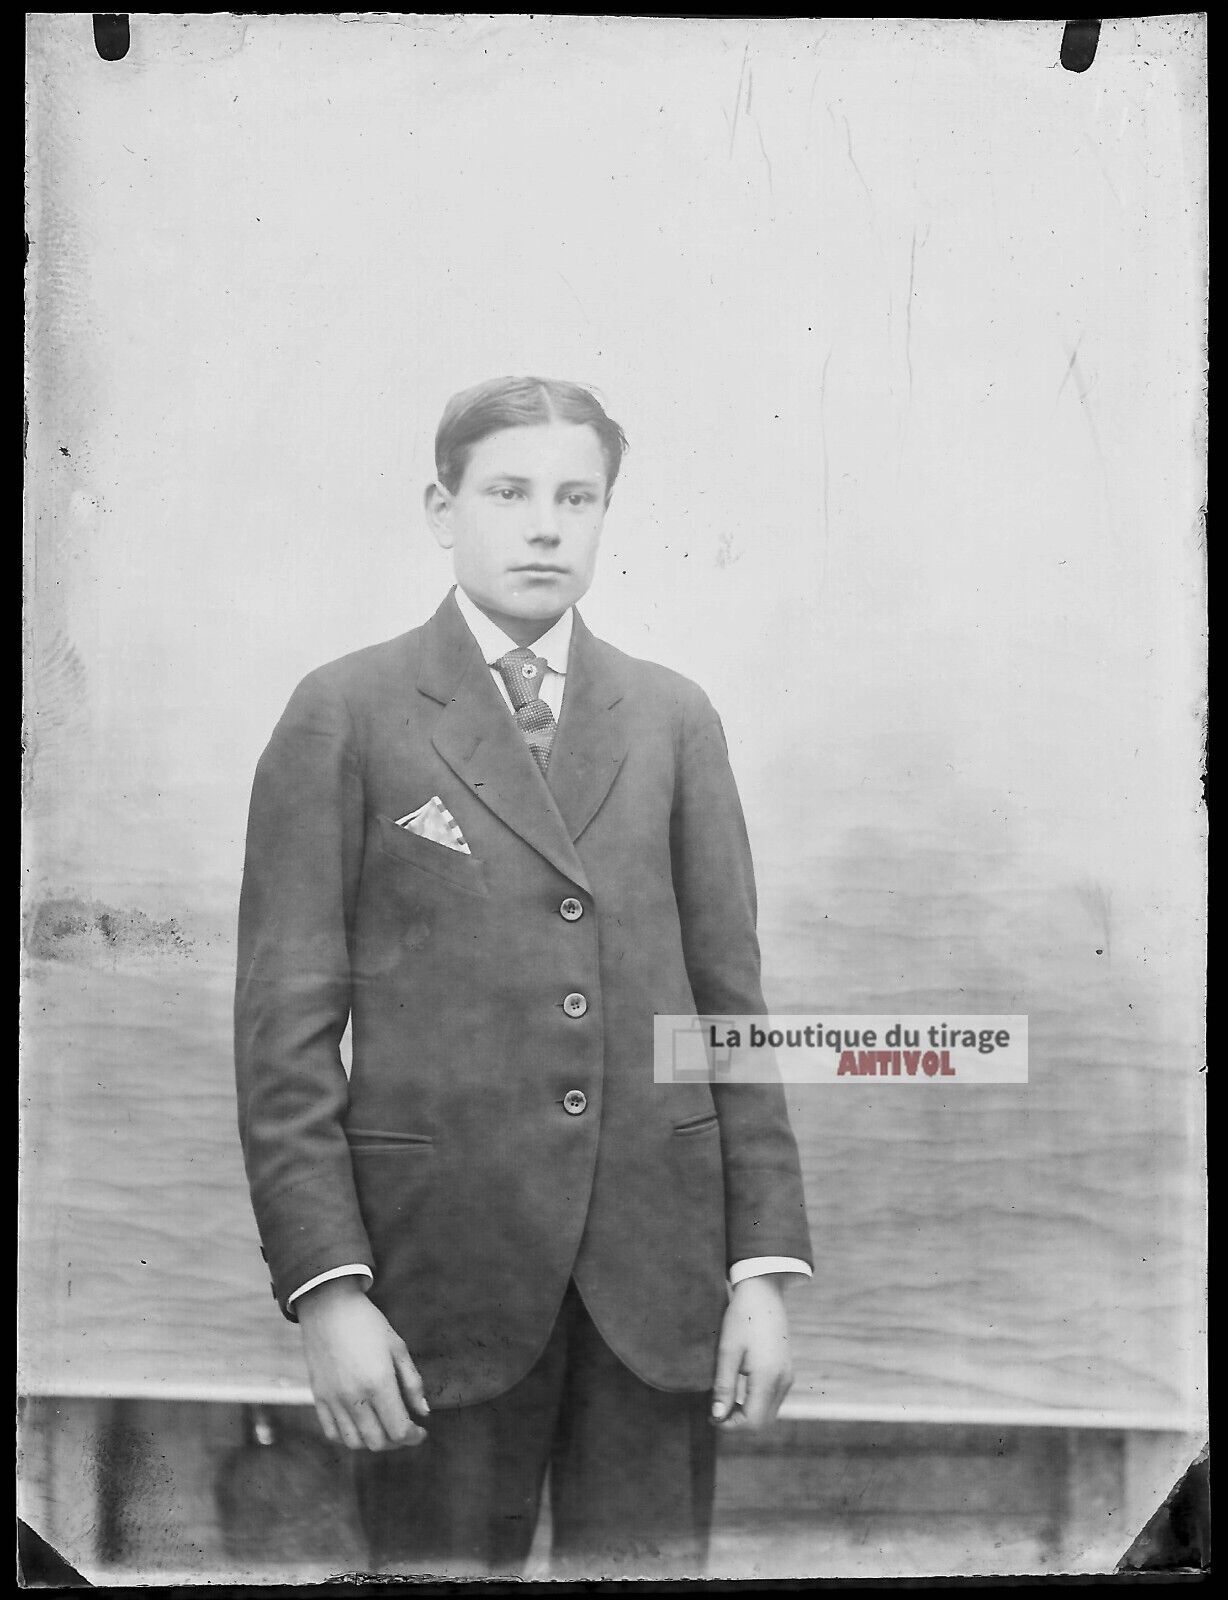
[{"x": 497, "y": 847}]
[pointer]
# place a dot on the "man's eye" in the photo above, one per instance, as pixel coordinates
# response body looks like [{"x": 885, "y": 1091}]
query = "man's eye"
[
  {"x": 507, "y": 494},
  {"x": 578, "y": 499}
]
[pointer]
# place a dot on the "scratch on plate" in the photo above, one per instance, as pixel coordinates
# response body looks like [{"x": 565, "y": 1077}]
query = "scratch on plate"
[
  {"x": 1070, "y": 366},
  {"x": 576, "y": 297},
  {"x": 743, "y": 101},
  {"x": 814, "y": 84},
  {"x": 1083, "y": 390},
  {"x": 737, "y": 103},
  {"x": 912, "y": 278},
  {"x": 848, "y": 136},
  {"x": 766, "y": 158}
]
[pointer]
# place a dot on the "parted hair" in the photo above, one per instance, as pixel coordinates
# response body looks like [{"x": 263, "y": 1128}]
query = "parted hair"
[{"x": 500, "y": 403}]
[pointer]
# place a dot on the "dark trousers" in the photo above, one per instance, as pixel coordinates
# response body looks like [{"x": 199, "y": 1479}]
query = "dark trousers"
[{"x": 632, "y": 1473}]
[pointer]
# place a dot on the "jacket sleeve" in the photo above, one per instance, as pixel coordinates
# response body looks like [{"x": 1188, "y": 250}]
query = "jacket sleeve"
[
  {"x": 714, "y": 884},
  {"x": 292, "y": 995}
]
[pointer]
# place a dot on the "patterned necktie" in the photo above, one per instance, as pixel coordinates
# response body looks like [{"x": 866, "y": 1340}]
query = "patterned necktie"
[{"x": 522, "y": 672}]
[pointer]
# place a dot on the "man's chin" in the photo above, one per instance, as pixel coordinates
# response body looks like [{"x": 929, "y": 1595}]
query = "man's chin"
[
  {"x": 540, "y": 605},
  {"x": 540, "y": 609}
]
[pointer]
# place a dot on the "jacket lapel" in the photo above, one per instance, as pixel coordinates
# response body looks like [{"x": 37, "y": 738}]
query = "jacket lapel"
[
  {"x": 591, "y": 742},
  {"x": 478, "y": 738}
]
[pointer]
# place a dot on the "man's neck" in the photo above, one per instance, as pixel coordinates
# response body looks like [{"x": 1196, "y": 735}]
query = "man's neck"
[{"x": 521, "y": 630}]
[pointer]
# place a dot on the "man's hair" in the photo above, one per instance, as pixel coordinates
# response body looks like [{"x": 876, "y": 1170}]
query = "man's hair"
[{"x": 519, "y": 403}]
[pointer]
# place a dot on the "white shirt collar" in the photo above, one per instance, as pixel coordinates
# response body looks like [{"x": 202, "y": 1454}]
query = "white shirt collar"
[{"x": 554, "y": 646}]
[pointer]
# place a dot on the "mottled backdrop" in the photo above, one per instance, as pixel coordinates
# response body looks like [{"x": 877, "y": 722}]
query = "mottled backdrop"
[{"x": 904, "y": 322}]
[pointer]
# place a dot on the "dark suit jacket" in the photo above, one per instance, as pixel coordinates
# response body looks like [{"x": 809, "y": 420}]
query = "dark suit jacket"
[{"x": 448, "y": 1163}]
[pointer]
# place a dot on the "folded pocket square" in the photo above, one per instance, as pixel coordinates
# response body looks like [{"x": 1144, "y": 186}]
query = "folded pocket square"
[{"x": 435, "y": 822}]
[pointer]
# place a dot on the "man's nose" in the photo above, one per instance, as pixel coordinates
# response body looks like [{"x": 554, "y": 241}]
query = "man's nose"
[{"x": 545, "y": 522}]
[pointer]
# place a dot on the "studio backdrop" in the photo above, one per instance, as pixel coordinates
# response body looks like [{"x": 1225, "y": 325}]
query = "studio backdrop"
[{"x": 905, "y": 325}]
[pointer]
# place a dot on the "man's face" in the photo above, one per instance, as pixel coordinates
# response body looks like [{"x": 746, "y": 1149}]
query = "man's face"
[{"x": 524, "y": 524}]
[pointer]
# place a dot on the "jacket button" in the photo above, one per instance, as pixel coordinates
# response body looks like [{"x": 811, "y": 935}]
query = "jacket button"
[
  {"x": 574, "y": 1102},
  {"x": 571, "y": 910},
  {"x": 575, "y": 1005}
]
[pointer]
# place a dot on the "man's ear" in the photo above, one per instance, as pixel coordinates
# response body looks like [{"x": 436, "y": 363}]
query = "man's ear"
[{"x": 437, "y": 503}]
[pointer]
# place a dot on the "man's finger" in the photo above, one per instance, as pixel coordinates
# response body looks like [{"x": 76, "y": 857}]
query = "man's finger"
[
  {"x": 394, "y": 1419},
  {"x": 347, "y": 1432},
  {"x": 326, "y": 1422},
  {"x": 783, "y": 1384},
  {"x": 366, "y": 1419},
  {"x": 410, "y": 1381},
  {"x": 763, "y": 1397},
  {"x": 728, "y": 1361}
]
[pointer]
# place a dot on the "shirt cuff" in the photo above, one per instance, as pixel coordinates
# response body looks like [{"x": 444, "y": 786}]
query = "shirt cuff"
[
  {"x": 355, "y": 1269},
  {"x": 760, "y": 1266}
]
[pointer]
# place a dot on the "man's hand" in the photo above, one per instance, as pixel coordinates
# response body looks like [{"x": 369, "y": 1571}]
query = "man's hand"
[
  {"x": 361, "y": 1374},
  {"x": 754, "y": 1343}
]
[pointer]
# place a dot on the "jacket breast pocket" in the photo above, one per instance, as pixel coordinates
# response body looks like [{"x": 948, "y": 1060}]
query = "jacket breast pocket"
[{"x": 408, "y": 850}]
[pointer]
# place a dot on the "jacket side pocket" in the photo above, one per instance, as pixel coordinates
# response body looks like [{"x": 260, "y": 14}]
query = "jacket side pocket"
[{"x": 696, "y": 1124}]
